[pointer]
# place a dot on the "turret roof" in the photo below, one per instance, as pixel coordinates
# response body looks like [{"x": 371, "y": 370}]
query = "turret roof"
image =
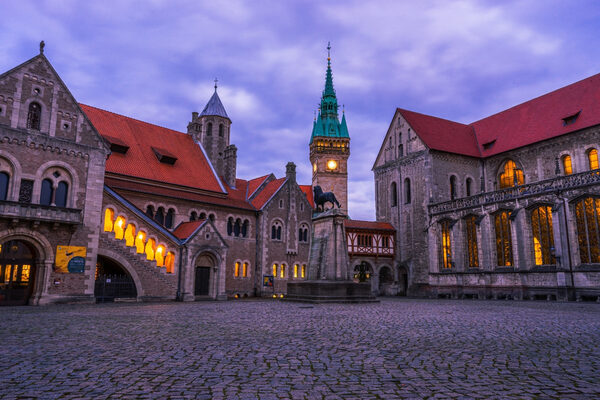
[{"x": 214, "y": 107}]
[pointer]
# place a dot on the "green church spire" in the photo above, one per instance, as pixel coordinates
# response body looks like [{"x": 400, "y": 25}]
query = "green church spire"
[{"x": 327, "y": 123}]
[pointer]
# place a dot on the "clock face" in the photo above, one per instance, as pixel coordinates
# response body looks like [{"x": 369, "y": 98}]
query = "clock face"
[{"x": 332, "y": 164}]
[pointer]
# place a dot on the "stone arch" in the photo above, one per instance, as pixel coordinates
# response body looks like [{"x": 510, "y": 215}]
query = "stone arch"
[
  {"x": 402, "y": 272},
  {"x": 13, "y": 168},
  {"x": 44, "y": 113},
  {"x": 208, "y": 273},
  {"x": 43, "y": 173},
  {"x": 385, "y": 280},
  {"x": 125, "y": 264}
]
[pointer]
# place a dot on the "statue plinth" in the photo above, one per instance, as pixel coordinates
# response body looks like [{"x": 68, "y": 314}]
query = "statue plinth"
[{"x": 329, "y": 278}]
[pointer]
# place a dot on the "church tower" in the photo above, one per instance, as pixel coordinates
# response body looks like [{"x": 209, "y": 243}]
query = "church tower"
[
  {"x": 330, "y": 144},
  {"x": 212, "y": 128}
]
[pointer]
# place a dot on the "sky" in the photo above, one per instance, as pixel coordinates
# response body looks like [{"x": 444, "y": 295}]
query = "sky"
[{"x": 156, "y": 61}]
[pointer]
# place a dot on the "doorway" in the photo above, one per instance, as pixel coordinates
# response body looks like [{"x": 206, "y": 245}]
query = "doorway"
[
  {"x": 202, "y": 281},
  {"x": 17, "y": 272},
  {"x": 112, "y": 281}
]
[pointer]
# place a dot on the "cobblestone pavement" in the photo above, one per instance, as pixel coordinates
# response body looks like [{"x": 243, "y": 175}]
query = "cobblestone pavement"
[{"x": 400, "y": 348}]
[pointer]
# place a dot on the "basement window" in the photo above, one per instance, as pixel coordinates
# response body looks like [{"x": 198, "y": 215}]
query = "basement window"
[
  {"x": 117, "y": 145},
  {"x": 164, "y": 156},
  {"x": 489, "y": 145},
  {"x": 571, "y": 118}
]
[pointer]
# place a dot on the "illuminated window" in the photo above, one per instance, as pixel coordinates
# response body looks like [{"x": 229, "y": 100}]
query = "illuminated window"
[
  {"x": 130, "y": 235},
  {"x": 25, "y": 270},
  {"x": 275, "y": 270},
  {"x": 150, "y": 249},
  {"x": 236, "y": 269},
  {"x": 170, "y": 262},
  {"x": 244, "y": 270},
  {"x": 160, "y": 255},
  {"x": 303, "y": 273},
  {"x": 511, "y": 176},
  {"x": 446, "y": 245},
  {"x": 140, "y": 241},
  {"x": 593, "y": 158},
  {"x": 282, "y": 271},
  {"x": 543, "y": 239},
  {"x": 4, "y": 179},
  {"x": 119, "y": 227},
  {"x": 503, "y": 239},
  {"x": 34, "y": 116},
  {"x": 472, "y": 250},
  {"x": 109, "y": 215},
  {"x": 47, "y": 192},
  {"x": 587, "y": 213},
  {"x": 393, "y": 194},
  {"x": 296, "y": 266},
  {"x": 567, "y": 165}
]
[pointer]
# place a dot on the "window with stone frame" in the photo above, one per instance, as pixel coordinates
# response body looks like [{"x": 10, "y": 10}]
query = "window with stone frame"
[
  {"x": 4, "y": 180},
  {"x": 407, "y": 198},
  {"x": 511, "y": 175},
  {"x": 393, "y": 194},
  {"x": 502, "y": 225},
  {"x": 276, "y": 230},
  {"x": 34, "y": 116},
  {"x": 453, "y": 194},
  {"x": 245, "y": 228},
  {"x": 587, "y": 216},
  {"x": 468, "y": 186},
  {"x": 593, "y": 159},
  {"x": 543, "y": 237},
  {"x": 472, "y": 247},
  {"x": 446, "y": 244},
  {"x": 567, "y": 164},
  {"x": 236, "y": 269},
  {"x": 303, "y": 233}
]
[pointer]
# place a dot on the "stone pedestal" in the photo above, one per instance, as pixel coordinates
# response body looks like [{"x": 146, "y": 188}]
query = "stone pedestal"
[{"x": 329, "y": 278}]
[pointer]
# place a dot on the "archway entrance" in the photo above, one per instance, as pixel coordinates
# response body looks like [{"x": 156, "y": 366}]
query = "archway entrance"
[
  {"x": 112, "y": 281},
  {"x": 402, "y": 281},
  {"x": 386, "y": 279},
  {"x": 17, "y": 272},
  {"x": 204, "y": 265}
]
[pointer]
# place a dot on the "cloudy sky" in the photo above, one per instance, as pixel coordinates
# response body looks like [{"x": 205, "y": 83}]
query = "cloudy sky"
[{"x": 155, "y": 60}]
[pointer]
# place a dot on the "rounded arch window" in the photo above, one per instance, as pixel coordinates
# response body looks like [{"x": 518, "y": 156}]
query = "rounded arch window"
[
  {"x": 567, "y": 164},
  {"x": 511, "y": 175},
  {"x": 452, "y": 187},
  {"x": 193, "y": 216},
  {"x": 276, "y": 230},
  {"x": 407, "y": 191},
  {"x": 468, "y": 186},
  {"x": 221, "y": 130},
  {"x": 62, "y": 191},
  {"x": 34, "y": 116},
  {"x": 245, "y": 227},
  {"x": 47, "y": 192},
  {"x": 593, "y": 159},
  {"x": 169, "y": 218},
  {"x": 229, "y": 226},
  {"x": 209, "y": 129},
  {"x": 109, "y": 216},
  {"x": 160, "y": 216},
  {"x": 237, "y": 227},
  {"x": 150, "y": 211},
  {"x": 394, "y": 194},
  {"x": 4, "y": 179}
]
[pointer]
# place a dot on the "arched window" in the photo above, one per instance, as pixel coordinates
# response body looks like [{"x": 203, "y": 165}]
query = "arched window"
[
  {"x": 4, "y": 179},
  {"x": 567, "y": 165},
  {"x": 303, "y": 234},
  {"x": 169, "y": 218},
  {"x": 237, "y": 227},
  {"x": 245, "y": 270},
  {"x": 47, "y": 192},
  {"x": 140, "y": 241},
  {"x": 229, "y": 226},
  {"x": 193, "y": 216},
  {"x": 221, "y": 130},
  {"x": 587, "y": 214},
  {"x": 394, "y": 195},
  {"x": 406, "y": 191},
  {"x": 130, "y": 235},
  {"x": 119, "y": 227},
  {"x": 282, "y": 272},
  {"x": 275, "y": 270},
  {"x": 543, "y": 238},
  {"x": 503, "y": 239},
  {"x": 303, "y": 272},
  {"x": 150, "y": 211},
  {"x": 245, "y": 227},
  {"x": 468, "y": 184},
  {"x": 160, "y": 215},
  {"x": 236, "y": 269},
  {"x": 593, "y": 158},
  {"x": 209, "y": 129},
  {"x": 511, "y": 175},
  {"x": 170, "y": 262},
  {"x": 202, "y": 216},
  {"x": 160, "y": 255},
  {"x": 276, "y": 231},
  {"x": 150, "y": 249},
  {"x": 212, "y": 217},
  {"x": 472, "y": 249},
  {"x": 296, "y": 267},
  {"x": 109, "y": 216},
  {"x": 34, "y": 116},
  {"x": 62, "y": 191},
  {"x": 452, "y": 187},
  {"x": 446, "y": 245}
]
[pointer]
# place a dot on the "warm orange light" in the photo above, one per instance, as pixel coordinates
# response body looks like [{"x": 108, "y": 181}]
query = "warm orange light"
[
  {"x": 141, "y": 236},
  {"x": 315, "y": 167},
  {"x": 332, "y": 164}
]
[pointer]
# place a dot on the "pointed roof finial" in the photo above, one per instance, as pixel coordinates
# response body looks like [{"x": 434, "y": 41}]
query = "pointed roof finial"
[
  {"x": 42, "y": 44},
  {"x": 216, "y": 80},
  {"x": 343, "y": 109},
  {"x": 328, "y": 52}
]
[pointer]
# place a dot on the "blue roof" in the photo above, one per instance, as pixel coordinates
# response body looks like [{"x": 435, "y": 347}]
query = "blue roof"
[{"x": 214, "y": 107}]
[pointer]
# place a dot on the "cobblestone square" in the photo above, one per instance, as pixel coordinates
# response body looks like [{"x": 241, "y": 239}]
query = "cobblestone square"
[{"x": 399, "y": 348}]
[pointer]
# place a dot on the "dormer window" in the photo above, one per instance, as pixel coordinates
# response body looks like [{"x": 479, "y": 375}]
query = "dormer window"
[
  {"x": 164, "y": 156},
  {"x": 571, "y": 118},
  {"x": 489, "y": 145},
  {"x": 117, "y": 145}
]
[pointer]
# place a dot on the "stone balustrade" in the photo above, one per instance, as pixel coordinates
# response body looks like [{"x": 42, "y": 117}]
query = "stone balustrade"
[{"x": 37, "y": 212}]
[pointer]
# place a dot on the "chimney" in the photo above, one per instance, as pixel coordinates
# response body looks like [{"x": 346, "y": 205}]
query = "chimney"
[
  {"x": 230, "y": 161},
  {"x": 290, "y": 172}
]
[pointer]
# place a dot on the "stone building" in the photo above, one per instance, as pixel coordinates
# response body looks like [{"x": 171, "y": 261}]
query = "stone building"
[{"x": 504, "y": 207}]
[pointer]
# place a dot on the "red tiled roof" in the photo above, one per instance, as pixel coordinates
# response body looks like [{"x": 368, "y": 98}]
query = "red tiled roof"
[
  {"x": 191, "y": 169},
  {"x": 527, "y": 123},
  {"x": 232, "y": 200},
  {"x": 254, "y": 184},
  {"x": 368, "y": 225},
  {"x": 269, "y": 190},
  {"x": 307, "y": 189},
  {"x": 185, "y": 229}
]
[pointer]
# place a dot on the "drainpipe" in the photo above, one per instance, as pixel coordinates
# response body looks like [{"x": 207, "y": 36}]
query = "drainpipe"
[
  {"x": 257, "y": 270},
  {"x": 565, "y": 206},
  {"x": 180, "y": 269}
]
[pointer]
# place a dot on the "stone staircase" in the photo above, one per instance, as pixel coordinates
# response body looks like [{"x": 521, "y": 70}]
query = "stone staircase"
[{"x": 156, "y": 283}]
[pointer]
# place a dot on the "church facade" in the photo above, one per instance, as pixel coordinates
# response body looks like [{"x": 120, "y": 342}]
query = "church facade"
[
  {"x": 97, "y": 206},
  {"x": 505, "y": 207}
]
